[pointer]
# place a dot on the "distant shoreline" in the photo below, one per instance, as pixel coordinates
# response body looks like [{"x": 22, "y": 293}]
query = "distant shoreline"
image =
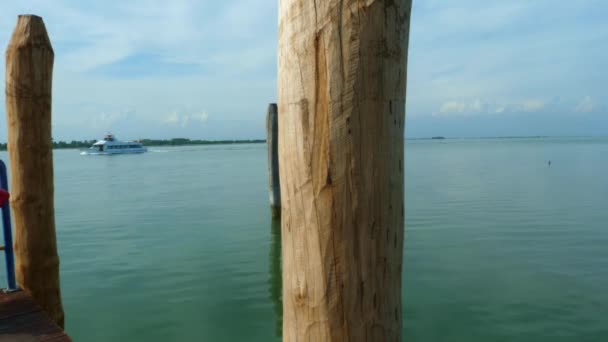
[
  {"x": 512, "y": 137},
  {"x": 81, "y": 144}
]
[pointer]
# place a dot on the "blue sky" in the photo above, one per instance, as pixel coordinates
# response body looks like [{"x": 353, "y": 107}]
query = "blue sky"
[{"x": 207, "y": 69}]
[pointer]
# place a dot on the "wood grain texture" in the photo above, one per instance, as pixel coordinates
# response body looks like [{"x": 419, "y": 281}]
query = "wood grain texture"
[
  {"x": 29, "y": 78},
  {"x": 22, "y": 320},
  {"x": 341, "y": 105},
  {"x": 272, "y": 142}
]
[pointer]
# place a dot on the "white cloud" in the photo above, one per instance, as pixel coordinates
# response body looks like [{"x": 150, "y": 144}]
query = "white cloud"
[
  {"x": 496, "y": 50},
  {"x": 586, "y": 105},
  {"x": 108, "y": 119},
  {"x": 470, "y": 57},
  {"x": 173, "y": 118},
  {"x": 202, "y": 116},
  {"x": 186, "y": 119},
  {"x": 453, "y": 107},
  {"x": 532, "y": 105},
  {"x": 479, "y": 106},
  {"x": 88, "y": 35},
  {"x": 469, "y": 107}
]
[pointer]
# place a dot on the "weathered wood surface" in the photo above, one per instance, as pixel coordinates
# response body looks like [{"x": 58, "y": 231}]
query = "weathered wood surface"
[
  {"x": 22, "y": 320},
  {"x": 29, "y": 74},
  {"x": 272, "y": 139},
  {"x": 341, "y": 105},
  {"x": 275, "y": 274}
]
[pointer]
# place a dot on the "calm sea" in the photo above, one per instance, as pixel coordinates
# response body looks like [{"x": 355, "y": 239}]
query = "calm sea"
[{"x": 178, "y": 245}]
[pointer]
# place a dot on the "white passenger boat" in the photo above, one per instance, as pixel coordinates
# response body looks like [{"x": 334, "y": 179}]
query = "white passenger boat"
[{"x": 110, "y": 145}]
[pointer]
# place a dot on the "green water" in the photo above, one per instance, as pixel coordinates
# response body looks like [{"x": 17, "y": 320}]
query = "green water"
[{"x": 177, "y": 244}]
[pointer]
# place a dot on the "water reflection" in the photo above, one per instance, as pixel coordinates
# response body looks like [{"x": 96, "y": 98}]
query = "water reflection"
[{"x": 275, "y": 274}]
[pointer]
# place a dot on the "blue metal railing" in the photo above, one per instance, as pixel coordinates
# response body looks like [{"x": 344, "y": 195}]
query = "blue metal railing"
[{"x": 8, "y": 233}]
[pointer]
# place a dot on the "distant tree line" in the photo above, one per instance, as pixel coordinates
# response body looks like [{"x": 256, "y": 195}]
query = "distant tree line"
[
  {"x": 184, "y": 141},
  {"x": 150, "y": 142}
]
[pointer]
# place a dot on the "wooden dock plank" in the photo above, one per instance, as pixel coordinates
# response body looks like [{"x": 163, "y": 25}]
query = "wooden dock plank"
[
  {"x": 22, "y": 320},
  {"x": 15, "y": 304}
]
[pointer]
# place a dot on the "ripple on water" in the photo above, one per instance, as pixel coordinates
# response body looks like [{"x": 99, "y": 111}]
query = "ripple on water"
[{"x": 178, "y": 246}]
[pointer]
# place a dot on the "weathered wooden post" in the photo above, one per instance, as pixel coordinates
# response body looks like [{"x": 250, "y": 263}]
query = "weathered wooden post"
[
  {"x": 29, "y": 78},
  {"x": 275, "y": 273},
  {"x": 341, "y": 103},
  {"x": 272, "y": 139}
]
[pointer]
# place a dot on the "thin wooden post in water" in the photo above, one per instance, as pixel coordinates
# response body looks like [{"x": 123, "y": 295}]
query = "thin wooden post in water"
[
  {"x": 341, "y": 101},
  {"x": 275, "y": 274},
  {"x": 272, "y": 139},
  {"x": 29, "y": 79}
]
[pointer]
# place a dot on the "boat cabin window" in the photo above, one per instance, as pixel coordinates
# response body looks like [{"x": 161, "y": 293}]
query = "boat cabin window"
[{"x": 101, "y": 148}]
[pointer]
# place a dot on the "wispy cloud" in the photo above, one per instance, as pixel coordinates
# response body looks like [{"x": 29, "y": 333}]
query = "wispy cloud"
[
  {"x": 185, "y": 119},
  {"x": 484, "y": 107},
  {"x": 153, "y": 57},
  {"x": 468, "y": 58},
  {"x": 510, "y": 55},
  {"x": 585, "y": 106},
  {"x": 453, "y": 106},
  {"x": 532, "y": 105}
]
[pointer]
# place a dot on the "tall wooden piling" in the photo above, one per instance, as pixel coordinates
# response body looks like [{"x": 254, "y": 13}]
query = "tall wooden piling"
[
  {"x": 341, "y": 104},
  {"x": 275, "y": 274},
  {"x": 29, "y": 75},
  {"x": 272, "y": 139}
]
